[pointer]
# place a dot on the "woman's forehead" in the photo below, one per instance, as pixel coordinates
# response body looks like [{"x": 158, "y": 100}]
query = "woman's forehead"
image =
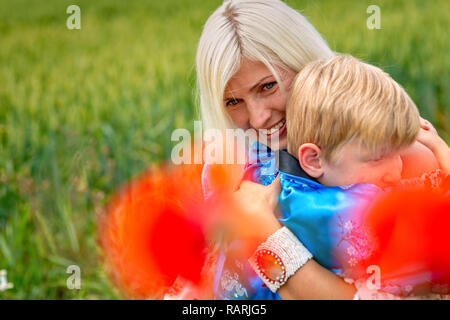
[{"x": 249, "y": 74}]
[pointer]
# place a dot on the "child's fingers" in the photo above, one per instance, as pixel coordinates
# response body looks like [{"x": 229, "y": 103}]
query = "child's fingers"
[
  {"x": 427, "y": 138},
  {"x": 423, "y": 134},
  {"x": 426, "y": 125}
]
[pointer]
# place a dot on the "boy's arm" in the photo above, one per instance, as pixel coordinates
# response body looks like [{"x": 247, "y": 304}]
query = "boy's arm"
[{"x": 429, "y": 137}]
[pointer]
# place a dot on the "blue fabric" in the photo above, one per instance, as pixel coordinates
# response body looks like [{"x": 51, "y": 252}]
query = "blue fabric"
[
  {"x": 325, "y": 219},
  {"x": 236, "y": 280},
  {"x": 262, "y": 165}
]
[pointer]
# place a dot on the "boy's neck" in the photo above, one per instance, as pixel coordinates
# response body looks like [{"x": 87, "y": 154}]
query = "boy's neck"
[{"x": 290, "y": 165}]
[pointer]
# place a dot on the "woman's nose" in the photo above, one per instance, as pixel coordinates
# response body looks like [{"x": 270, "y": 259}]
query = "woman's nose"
[{"x": 259, "y": 114}]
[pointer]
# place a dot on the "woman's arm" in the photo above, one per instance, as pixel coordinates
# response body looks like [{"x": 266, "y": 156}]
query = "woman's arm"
[
  {"x": 311, "y": 281},
  {"x": 314, "y": 282}
]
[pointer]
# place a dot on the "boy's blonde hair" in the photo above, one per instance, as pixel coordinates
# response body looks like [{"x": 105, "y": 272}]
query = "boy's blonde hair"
[{"x": 341, "y": 99}]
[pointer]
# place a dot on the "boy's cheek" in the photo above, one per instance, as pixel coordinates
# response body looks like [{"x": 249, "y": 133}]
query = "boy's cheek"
[
  {"x": 366, "y": 174},
  {"x": 350, "y": 173},
  {"x": 340, "y": 179}
]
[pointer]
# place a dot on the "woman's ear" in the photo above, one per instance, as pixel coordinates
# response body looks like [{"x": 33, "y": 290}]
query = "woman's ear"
[{"x": 310, "y": 159}]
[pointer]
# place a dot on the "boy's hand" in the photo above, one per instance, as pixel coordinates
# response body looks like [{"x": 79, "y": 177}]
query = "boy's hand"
[
  {"x": 425, "y": 124},
  {"x": 429, "y": 137}
]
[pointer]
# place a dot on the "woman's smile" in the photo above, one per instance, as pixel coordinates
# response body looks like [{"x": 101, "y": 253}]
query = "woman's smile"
[
  {"x": 275, "y": 135},
  {"x": 277, "y": 128}
]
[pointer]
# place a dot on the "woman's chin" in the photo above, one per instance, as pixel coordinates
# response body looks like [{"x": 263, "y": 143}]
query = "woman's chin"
[{"x": 278, "y": 145}]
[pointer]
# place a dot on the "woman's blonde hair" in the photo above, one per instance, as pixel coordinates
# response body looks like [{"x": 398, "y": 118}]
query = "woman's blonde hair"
[
  {"x": 260, "y": 30},
  {"x": 335, "y": 101}
]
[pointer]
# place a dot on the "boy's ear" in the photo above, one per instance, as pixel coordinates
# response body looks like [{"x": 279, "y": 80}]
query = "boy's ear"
[{"x": 310, "y": 159}]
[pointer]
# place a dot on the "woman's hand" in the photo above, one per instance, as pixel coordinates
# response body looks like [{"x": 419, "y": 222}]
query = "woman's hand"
[
  {"x": 253, "y": 217},
  {"x": 258, "y": 196}
]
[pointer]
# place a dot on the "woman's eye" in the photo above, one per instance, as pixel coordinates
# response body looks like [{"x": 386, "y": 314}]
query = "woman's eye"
[
  {"x": 269, "y": 85},
  {"x": 232, "y": 102}
]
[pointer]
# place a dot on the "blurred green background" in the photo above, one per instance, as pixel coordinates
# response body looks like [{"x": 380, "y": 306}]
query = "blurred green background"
[{"x": 83, "y": 111}]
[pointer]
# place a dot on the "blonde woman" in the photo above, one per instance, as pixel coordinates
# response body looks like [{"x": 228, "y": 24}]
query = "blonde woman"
[{"x": 248, "y": 55}]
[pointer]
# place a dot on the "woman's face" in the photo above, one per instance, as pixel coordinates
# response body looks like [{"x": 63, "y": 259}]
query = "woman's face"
[{"x": 254, "y": 99}]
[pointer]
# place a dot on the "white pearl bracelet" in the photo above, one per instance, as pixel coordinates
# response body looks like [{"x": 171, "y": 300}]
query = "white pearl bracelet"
[{"x": 285, "y": 252}]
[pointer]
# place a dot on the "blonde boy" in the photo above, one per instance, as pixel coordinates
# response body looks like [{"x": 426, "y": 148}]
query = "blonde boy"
[{"x": 348, "y": 121}]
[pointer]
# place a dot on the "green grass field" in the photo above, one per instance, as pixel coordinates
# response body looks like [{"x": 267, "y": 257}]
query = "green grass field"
[{"x": 82, "y": 111}]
